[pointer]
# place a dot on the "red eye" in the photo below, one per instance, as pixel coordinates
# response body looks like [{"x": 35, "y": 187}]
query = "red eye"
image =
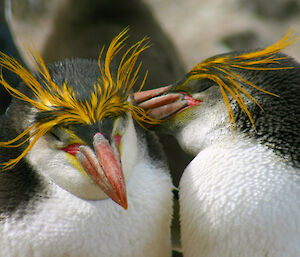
[
  {"x": 117, "y": 139},
  {"x": 72, "y": 149}
]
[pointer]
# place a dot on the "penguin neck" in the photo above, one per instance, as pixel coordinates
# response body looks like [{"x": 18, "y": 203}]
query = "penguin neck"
[
  {"x": 200, "y": 132},
  {"x": 21, "y": 190}
]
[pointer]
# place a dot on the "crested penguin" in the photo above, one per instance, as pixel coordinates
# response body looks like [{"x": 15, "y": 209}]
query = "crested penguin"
[
  {"x": 79, "y": 175},
  {"x": 239, "y": 115}
]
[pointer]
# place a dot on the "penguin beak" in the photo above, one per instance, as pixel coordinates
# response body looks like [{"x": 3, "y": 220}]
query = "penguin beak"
[
  {"x": 103, "y": 165},
  {"x": 162, "y": 104}
]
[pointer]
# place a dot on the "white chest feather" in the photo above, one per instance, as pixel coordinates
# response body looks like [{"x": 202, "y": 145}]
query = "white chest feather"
[
  {"x": 65, "y": 225},
  {"x": 238, "y": 199}
]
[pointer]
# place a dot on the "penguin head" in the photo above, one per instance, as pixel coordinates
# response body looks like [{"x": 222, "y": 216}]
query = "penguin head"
[
  {"x": 74, "y": 121},
  {"x": 214, "y": 95},
  {"x": 190, "y": 111},
  {"x": 92, "y": 161}
]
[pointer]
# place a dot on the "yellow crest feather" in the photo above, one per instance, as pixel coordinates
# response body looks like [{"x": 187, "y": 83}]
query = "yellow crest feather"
[
  {"x": 219, "y": 70},
  {"x": 109, "y": 97}
]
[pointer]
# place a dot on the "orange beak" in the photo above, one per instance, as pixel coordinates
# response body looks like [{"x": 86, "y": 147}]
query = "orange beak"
[
  {"x": 103, "y": 165},
  {"x": 162, "y": 104}
]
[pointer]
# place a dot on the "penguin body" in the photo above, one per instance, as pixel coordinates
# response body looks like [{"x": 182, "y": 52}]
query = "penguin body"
[
  {"x": 245, "y": 206},
  {"x": 65, "y": 196},
  {"x": 246, "y": 184},
  {"x": 239, "y": 195}
]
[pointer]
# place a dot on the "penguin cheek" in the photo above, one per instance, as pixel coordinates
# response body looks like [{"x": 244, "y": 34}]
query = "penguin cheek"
[
  {"x": 76, "y": 181},
  {"x": 75, "y": 163},
  {"x": 184, "y": 116},
  {"x": 129, "y": 150}
]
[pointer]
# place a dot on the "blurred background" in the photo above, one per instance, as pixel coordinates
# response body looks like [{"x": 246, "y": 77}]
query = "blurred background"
[
  {"x": 197, "y": 28},
  {"x": 203, "y": 28},
  {"x": 182, "y": 33}
]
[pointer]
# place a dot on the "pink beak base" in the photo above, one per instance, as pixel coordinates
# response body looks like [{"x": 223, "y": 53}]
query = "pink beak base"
[
  {"x": 104, "y": 166},
  {"x": 163, "y": 106}
]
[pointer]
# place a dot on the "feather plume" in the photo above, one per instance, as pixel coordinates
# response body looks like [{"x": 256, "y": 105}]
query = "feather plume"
[
  {"x": 220, "y": 69},
  {"x": 109, "y": 98}
]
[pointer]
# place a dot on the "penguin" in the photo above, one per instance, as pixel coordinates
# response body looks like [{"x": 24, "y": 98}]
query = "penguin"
[
  {"x": 79, "y": 175},
  {"x": 63, "y": 29},
  {"x": 239, "y": 115}
]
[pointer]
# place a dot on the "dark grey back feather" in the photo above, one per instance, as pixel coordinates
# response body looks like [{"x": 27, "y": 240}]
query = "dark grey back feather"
[{"x": 278, "y": 125}]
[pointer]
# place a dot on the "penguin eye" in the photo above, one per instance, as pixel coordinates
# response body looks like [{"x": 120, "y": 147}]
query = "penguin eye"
[
  {"x": 60, "y": 134},
  {"x": 193, "y": 86},
  {"x": 197, "y": 86},
  {"x": 56, "y": 134}
]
